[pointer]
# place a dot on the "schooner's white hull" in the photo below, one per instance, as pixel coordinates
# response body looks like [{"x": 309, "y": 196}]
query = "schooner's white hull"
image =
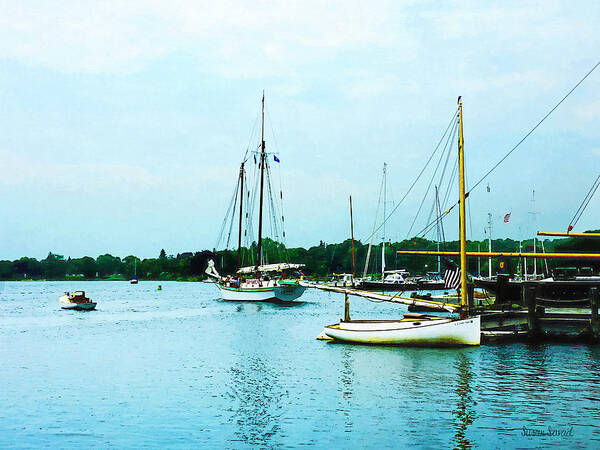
[
  {"x": 270, "y": 291},
  {"x": 244, "y": 294},
  {"x": 437, "y": 332},
  {"x": 288, "y": 292}
]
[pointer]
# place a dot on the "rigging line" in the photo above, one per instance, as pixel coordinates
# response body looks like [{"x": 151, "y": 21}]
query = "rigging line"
[
  {"x": 438, "y": 211},
  {"x": 527, "y": 135},
  {"x": 438, "y": 219},
  {"x": 418, "y": 176},
  {"x": 234, "y": 196},
  {"x": 447, "y": 145},
  {"x": 535, "y": 127},
  {"x": 251, "y": 137},
  {"x": 270, "y": 121},
  {"x": 251, "y": 208},
  {"x": 232, "y": 217},
  {"x": 451, "y": 182},
  {"x": 441, "y": 224},
  {"x": 373, "y": 233},
  {"x": 441, "y": 181},
  {"x": 468, "y": 205},
  {"x": 585, "y": 203},
  {"x": 273, "y": 215},
  {"x": 431, "y": 211},
  {"x": 283, "y": 238}
]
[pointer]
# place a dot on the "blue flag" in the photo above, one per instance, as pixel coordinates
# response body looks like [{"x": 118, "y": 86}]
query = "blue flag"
[{"x": 276, "y": 158}]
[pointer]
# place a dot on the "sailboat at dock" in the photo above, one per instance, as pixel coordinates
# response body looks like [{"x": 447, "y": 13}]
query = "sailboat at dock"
[
  {"x": 418, "y": 329},
  {"x": 258, "y": 282}
]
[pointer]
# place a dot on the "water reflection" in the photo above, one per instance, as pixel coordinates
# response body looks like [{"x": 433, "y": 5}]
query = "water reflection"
[
  {"x": 464, "y": 413},
  {"x": 255, "y": 387},
  {"x": 346, "y": 387}
]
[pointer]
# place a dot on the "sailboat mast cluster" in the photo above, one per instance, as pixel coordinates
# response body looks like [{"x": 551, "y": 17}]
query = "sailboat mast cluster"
[{"x": 258, "y": 282}]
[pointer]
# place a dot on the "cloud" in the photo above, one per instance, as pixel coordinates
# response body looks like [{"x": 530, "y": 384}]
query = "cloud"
[{"x": 235, "y": 38}]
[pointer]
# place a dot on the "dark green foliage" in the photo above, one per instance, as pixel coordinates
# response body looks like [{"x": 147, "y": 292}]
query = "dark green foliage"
[{"x": 320, "y": 260}]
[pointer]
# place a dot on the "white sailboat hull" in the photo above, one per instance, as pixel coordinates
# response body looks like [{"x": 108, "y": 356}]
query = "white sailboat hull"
[
  {"x": 268, "y": 291},
  {"x": 288, "y": 292},
  {"x": 439, "y": 332},
  {"x": 243, "y": 294}
]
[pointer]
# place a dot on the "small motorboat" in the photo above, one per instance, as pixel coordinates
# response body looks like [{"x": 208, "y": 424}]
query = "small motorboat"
[
  {"x": 76, "y": 300},
  {"x": 134, "y": 281}
]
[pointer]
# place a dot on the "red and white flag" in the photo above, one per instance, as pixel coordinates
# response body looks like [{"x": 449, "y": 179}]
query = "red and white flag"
[{"x": 506, "y": 218}]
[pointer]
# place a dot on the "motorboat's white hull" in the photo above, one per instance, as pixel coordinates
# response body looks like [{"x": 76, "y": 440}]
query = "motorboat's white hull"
[
  {"x": 85, "y": 306},
  {"x": 437, "y": 332}
]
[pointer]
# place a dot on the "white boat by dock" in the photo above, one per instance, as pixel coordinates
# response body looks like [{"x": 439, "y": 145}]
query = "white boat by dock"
[
  {"x": 77, "y": 301},
  {"x": 418, "y": 329},
  {"x": 412, "y": 330}
]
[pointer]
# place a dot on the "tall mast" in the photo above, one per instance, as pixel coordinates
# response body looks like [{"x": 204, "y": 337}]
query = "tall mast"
[
  {"x": 262, "y": 180},
  {"x": 352, "y": 235},
  {"x": 490, "y": 243},
  {"x": 534, "y": 213},
  {"x": 367, "y": 260},
  {"x": 383, "y": 237},
  {"x": 463, "y": 226},
  {"x": 241, "y": 213},
  {"x": 438, "y": 227}
]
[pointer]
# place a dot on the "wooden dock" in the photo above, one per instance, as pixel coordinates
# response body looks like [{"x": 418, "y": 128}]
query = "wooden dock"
[
  {"x": 535, "y": 323},
  {"x": 528, "y": 321}
]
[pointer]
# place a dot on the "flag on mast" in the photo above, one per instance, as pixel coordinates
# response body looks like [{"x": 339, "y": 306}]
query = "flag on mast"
[{"x": 452, "y": 276}]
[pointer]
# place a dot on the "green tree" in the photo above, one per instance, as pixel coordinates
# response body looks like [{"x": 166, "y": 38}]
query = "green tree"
[
  {"x": 54, "y": 266},
  {"x": 107, "y": 265}
]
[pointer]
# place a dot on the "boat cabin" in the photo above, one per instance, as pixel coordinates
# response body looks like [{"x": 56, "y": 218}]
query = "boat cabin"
[{"x": 396, "y": 276}]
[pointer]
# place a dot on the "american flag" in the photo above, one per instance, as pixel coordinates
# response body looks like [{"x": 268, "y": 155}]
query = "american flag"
[
  {"x": 506, "y": 218},
  {"x": 452, "y": 277}
]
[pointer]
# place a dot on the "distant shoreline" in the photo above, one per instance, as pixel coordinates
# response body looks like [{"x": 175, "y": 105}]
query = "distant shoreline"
[{"x": 28, "y": 280}]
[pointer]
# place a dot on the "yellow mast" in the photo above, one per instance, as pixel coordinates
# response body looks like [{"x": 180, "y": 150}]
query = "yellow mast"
[
  {"x": 568, "y": 234},
  {"x": 505, "y": 254},
  {"x": 463, "y": 227}
]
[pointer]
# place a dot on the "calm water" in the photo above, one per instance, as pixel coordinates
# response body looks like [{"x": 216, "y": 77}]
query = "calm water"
[{"x": 179, "y": 368}]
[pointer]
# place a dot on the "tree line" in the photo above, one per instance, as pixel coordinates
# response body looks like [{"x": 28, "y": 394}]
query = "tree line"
[
  {"x": 187, "y": 266},
  {"x": 320, "y": 260}
]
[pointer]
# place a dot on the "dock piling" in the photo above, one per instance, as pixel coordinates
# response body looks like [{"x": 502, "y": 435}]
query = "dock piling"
[
  {"x": 347, "y": 308},
  {"x": 529, "y": 294},
  {"x": 501, "y": 289},
  {"x": 594, "y": 321},
  {"x": 470, "y": 296}
]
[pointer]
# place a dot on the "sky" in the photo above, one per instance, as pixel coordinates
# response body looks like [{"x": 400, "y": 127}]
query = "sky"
[{"x": 123, "y": 123}]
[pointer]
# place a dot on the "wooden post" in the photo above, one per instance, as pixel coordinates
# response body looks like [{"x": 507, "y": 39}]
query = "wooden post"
[
  {"x": 528, "y": 294},
  {"x": 501, "y": 289},
  {"x": 347, "y": 308},
  {"x": 594, "y": 303},
  {"x": 470, "y": 297}
]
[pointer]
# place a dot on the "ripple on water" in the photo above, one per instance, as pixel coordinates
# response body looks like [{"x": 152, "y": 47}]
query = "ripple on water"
[{"x": 177, "y": 367}]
